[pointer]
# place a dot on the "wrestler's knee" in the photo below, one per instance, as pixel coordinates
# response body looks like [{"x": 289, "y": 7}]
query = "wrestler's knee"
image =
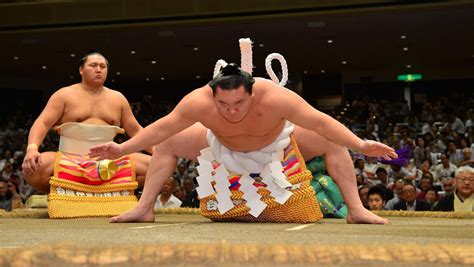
[
  {"x": 335, "y": 149},
  {"x": 37, "y": 181},
  {"x": 40, "y": 178}
]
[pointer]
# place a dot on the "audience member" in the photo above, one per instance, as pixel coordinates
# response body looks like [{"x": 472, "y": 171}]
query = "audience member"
[
  {"x": 462, "y": 198},
  {"x": 409, "y": 201},
  {"x": 376, "y": 199},
  {"x": 166, "y": 199}
]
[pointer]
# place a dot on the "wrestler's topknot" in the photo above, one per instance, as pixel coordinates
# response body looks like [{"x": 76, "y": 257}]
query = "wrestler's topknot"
[
  {"x": 232, "y": 77},
  {"x": 83, "y": 60}
]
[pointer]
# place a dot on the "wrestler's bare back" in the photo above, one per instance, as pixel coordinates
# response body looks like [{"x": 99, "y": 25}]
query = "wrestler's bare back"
[{"x": 99, "y": 108}]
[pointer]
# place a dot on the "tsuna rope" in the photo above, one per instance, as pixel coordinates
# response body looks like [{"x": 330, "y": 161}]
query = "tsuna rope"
[
  {"x": 284, "y": 68},
  {"x": 246, "y": 63},
  {"x": 246, "y": 55}
]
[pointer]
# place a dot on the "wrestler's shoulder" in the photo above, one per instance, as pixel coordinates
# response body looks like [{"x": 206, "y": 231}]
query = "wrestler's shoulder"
[
  {"x": 65, "y": 91},
  {"x": 113, "y": 93},
  {"x": 199, "y": 95}
]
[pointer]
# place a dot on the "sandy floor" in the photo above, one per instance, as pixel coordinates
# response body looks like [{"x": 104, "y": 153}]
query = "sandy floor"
[{"x": 417, "y": 241}]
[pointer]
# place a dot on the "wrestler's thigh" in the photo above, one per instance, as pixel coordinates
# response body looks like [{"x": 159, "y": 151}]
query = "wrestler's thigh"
[
  {"x": 40, "y": 179},
  {"x": 141, "y": 163},
  {"x": 185, "y": 144},
  {"x": 311, "y": 144}
]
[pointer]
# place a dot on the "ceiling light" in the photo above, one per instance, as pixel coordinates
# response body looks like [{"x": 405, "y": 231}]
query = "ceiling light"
[
  {"x": 323, "y": 71},
  {"x": 147, "y": 79},
  {"x": 408, "y": 66},
  {"x": 305, "y": 72},
  {"x": 153, "y": 62},
  {"x": 198, "y": 77},
  {"x": 132, "y": 52},
  {"x": 162, "y": 78},
  {"x": 403, "y": 37},
  {"x": 261, "y": 45},
  {"x": 196, "y": 48},
  {"x": 118, "y": 73},
  {"x": 16, "y": 58},
  {"x": 44, "y": 67},
  {"x": 72, "y": 55},
  {"x": 405, "y": 49},
  {"x": 344, "y": 62},
  {"x": 330, "y": 41}
]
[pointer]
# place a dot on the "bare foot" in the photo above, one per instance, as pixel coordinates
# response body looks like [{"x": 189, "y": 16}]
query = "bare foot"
[
  {"x": 362, "y": 215},
  {"x": 135, "y": 215}
]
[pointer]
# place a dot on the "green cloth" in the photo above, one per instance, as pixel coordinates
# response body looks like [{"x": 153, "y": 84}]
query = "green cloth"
[{"x": 327, "y": 192}]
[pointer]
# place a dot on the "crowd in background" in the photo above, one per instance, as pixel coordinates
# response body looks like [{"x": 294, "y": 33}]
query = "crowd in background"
[{"x": 434, "y": 137}]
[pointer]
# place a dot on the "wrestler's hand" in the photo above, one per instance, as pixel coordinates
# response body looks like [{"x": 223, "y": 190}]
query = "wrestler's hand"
[
  {"x": 32, "y": 161},
  {"x": 375, "y": 149},
  {"x": 109, "y": 150}
]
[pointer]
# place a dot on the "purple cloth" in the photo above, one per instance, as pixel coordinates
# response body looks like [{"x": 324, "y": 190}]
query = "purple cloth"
[{"x": 403, "y": 157}]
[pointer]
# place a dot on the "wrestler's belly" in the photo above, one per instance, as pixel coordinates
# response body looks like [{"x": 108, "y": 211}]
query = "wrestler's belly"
[{"x": 246, "y": 143}]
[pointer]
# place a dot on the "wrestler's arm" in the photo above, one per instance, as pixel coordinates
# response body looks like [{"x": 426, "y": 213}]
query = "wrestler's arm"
[
  {"x": 129, "y": 122},
  {"x": 49, "y": 116},
  {"x": 298, "y": 111},
  {"x": 183, "y": 116}
]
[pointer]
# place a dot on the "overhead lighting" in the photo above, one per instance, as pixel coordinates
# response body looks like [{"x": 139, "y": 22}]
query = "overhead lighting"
[
  {"x": 147, "y": 79},
  {"x": 403, "y": 36},
  {"x": 344, "y": 62},
  {"x": 132, "y": 52},
  {"x": 15, "y": 58},
  {"x": 408, "y": 66},
  {"x": 261, "y": 45},
  {"x": 323, "y": 71},
  {"x": 162, "y": 78},
  {"x": 118, "y": 73},
  {"x": 305, "y": 72},
  {"x": 198, "y": 77},
  {"x": 196, "y": 48},
  {"x": 72, "y": 55},
  {"x": 153, "y": 62},
  {"x": 405, "y": 49},
  {"x": 330, "y": 41},
  {"x": 44, "y": 67}
]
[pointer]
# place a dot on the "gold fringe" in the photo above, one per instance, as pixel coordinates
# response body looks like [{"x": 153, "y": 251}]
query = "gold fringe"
[{"x": 228, "y": 254}]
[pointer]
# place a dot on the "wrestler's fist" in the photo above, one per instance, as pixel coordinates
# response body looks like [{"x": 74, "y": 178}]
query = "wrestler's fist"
[
  {"x": 375, "y": 149},
  {"x": 31, "y": 162},
  {"x": 109, "y": 150}
]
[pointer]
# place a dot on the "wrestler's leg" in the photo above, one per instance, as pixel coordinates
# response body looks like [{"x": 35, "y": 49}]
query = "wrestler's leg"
[
  {"x": 341, "y": 169},
  {"x": 141, "y": 166},
  {"x": 40, "y": 179},
  {"x": 185, "y": 144}
]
